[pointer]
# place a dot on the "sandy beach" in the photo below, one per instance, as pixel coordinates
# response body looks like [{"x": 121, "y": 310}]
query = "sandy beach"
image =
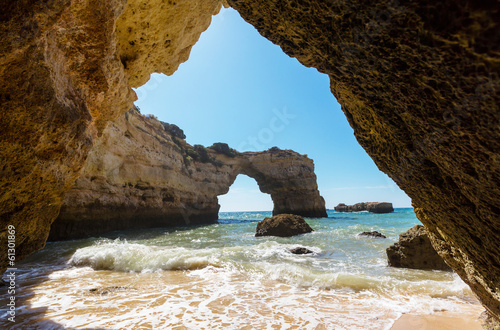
[{"x": 441, "y": 321}]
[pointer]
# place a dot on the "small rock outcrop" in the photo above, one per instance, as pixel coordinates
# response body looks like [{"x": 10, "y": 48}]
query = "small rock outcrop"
[
  {"x": 142, "y": 173},
  {"x": 283, "y": 225},
  {"x": 414, "y": 250},
  {"x": 374, "y": 207},
  {"x": 374, "y": 234},
  {"x": 300, "y": 250}
]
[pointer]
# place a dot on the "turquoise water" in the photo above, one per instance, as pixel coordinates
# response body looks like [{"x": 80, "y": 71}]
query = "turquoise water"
[{"x": 222, "y": 276}]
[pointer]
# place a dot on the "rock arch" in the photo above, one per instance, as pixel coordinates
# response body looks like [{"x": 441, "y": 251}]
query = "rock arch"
[
  {"x": 141, "y": 175},
  {"x": 418, "y": 82},
  {"x": 287, "y": 176}
]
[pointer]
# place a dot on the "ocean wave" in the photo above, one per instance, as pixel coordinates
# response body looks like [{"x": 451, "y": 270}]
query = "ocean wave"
[
  {"x": 131, "y": 257},
  {"x": 269, "y": 260}
]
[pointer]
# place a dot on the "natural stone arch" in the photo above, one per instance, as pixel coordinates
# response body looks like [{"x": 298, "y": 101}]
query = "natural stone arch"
[
  {"x": 285, "y": 175},
  {"x": 142, "y": 174},
  {"x": 418, "y": 82}
]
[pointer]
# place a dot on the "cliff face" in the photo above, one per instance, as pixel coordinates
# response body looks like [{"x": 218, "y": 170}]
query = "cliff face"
[
  {"x": 58, "y": 80},
  {"x": 139, "y": 175},
  {"x": 66, "y": 68},
  {"x": 417, "y": 80}
]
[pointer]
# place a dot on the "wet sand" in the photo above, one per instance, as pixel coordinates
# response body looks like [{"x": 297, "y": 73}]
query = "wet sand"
[
  {"x": 438, "y": 321},
  {"x": 213, "y": 298}
]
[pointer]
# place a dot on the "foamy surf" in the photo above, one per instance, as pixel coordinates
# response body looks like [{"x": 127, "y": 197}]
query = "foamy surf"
[
  {"x": 222, "y": 277},
  {"x": 267, "y": 260},
  {"x": 130, "y": 257}
]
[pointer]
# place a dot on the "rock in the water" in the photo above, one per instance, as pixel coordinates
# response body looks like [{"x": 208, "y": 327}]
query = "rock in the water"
[
  {"x": 342, "y": 208},
  {"x": 375, "y": 234},
  {"x": 283, "y": 225},
  {"x": 414, "y": 250},
  {"x": 383, "y": 207},
  {"x": 300, "y": 250},
  {"x": 374, "y": 207}
]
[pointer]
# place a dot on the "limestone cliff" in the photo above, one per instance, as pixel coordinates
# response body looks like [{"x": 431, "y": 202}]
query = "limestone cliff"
[
  {"x": 141, "y": 173},
  {"x": 58, "y": 79},
  {"x": 417, "y": 80},
  {"x": 65, "y": 72}
]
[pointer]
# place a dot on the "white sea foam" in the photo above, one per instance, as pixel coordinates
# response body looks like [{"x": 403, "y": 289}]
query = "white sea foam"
[
  {"x": 222, "y": 277},
  {"x": 123, "y": 256},
  {"x": 267, "y": 260},
  {"x": 219, "y": 298}
]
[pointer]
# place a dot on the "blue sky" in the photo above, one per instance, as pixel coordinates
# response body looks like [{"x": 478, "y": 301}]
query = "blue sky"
[{"x": 239, "y": 88}]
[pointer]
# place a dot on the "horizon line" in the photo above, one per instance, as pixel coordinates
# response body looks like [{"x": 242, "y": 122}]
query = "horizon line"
[{"x": 332, "y": 209}]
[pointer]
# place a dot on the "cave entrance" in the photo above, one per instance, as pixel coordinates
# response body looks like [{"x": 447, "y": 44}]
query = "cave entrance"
[
  {"x": 244, "y": 195},
  {"x": 239, "y": 88}
]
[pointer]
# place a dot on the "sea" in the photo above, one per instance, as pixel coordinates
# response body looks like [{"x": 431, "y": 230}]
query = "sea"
[{"x": 220, "y": 276}]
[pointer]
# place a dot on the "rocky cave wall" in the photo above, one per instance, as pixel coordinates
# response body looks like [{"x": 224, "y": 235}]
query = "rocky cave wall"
[
  {"x": 417, "y": 80},
  {"x": 65, "y": 72},
  {"x": 139, "y": 175},
  {"x": 60, "y": 83},
  {"x": 419, "y": 83}
]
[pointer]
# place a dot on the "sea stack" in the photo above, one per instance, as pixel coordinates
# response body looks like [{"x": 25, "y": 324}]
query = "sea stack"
[{"x": 374, "y": 207}]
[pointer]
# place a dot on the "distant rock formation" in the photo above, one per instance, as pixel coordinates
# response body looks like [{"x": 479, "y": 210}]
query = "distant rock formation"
[
  {"x": 374, "y": 234},
  {"x": 374, "y": 207},
  {"x": 414, "y": 250},
  {"x": 142, "y": 173},
  {"x": 283, "y": 225}
]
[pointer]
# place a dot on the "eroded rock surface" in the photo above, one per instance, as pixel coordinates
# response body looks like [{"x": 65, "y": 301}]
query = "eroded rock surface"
[
  {"x": 59, "y": 85},
  {"x": 374, "y": 234},
  {"x": 300, "y": 250},
  {"x": 283, "y": 225},
  {"x": 66, "y": 68},
  {"x": 414, "y": 250},
  {"x": 157, "y": 35},
  {"x": 141, "y": 173},
  {"x": 419, "y": 83}
]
